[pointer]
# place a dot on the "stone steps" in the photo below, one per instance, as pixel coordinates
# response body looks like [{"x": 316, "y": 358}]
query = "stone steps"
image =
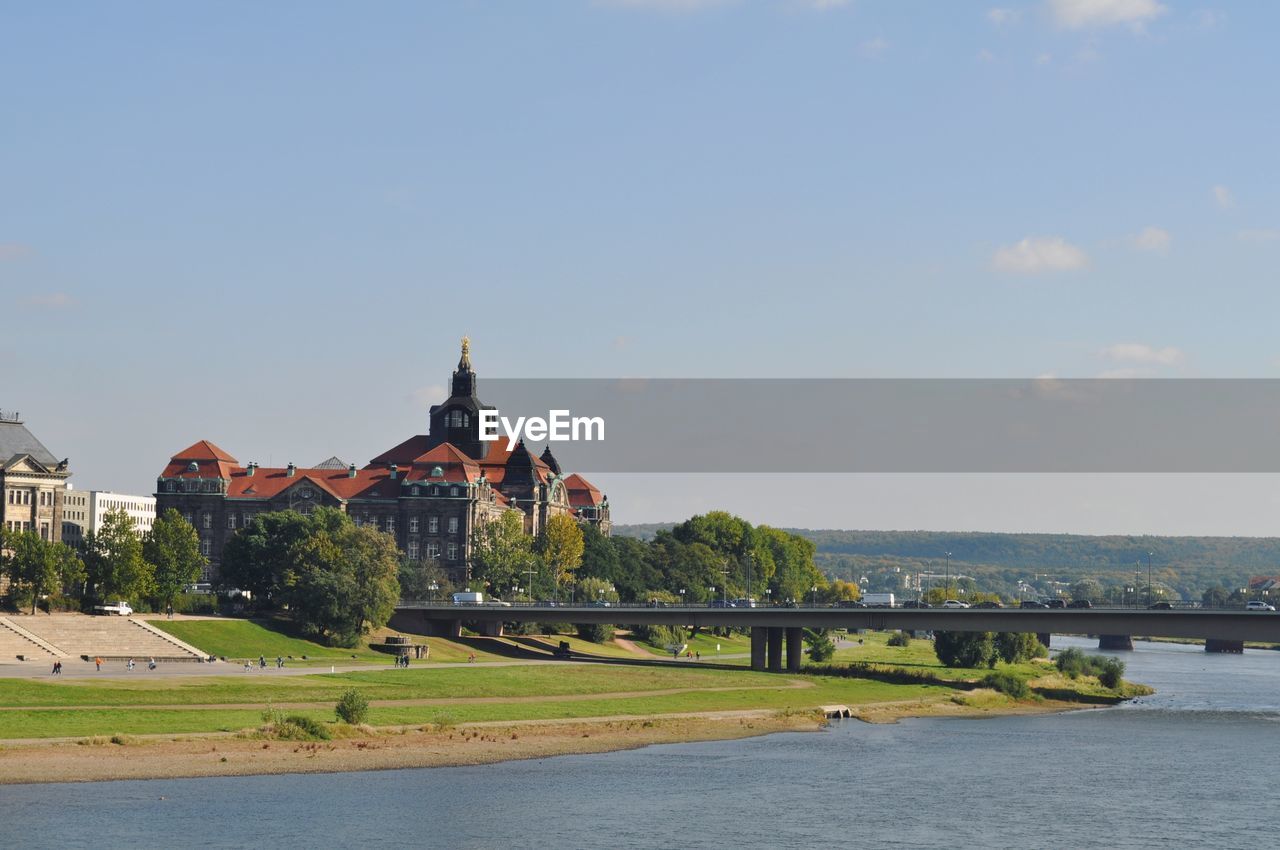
[{"x": 16, "y": 642}]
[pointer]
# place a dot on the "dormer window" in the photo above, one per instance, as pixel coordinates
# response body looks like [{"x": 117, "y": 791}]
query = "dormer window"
[{"x": 455, "y": 419}]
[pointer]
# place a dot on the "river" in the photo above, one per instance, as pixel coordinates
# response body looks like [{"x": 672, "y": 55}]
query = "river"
[{"x": 1192, "y": 766}]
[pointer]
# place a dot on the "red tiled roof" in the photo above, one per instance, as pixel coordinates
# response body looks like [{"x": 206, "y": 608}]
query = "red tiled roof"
[
  {"x": 582, "y": 493},
  {"x": 204, "y": 450},
  {"x": 204, "y": 469},
  {"x": 405, "y": 452},
  {"x": 267, "y": 483}
]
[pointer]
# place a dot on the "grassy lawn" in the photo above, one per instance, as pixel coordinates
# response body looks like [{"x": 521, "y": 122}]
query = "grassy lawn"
[
  {"x": 705, "y": 643},
  {"x": 920, "y": 656}
]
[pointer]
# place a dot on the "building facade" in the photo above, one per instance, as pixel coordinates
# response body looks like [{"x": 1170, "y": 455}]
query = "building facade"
[
  {"x": 33, "y": 483},
  {"x": 434, "y": 492},
  {"x": 84, "y": 510}
]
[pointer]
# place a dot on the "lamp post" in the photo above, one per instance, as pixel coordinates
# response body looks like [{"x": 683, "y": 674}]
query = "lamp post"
[
  {"x": 682, "y": 597},
  {"x": 1150, "y": 595},
  {"x": 948, "y": 575},
  {"x": 433, "y": 587},
  {"x": 515, "y": 592},
  {"x": 814, "y": 591},
  {"x": 768, "y": 597}
]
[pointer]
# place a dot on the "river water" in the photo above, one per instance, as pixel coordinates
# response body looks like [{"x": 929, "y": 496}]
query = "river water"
[{"x": 1194, "y": 766}]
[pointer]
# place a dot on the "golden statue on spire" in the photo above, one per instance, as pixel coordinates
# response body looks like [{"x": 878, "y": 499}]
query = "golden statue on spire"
[{"x": 466, "y": 353}]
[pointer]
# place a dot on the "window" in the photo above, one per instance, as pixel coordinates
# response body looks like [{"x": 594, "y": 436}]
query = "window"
[
  {"x": 453, "y": 552},
  {"x": 207, "y": 520},
  {"x": 391, "y": 525},
  {"x": 433, "y": 549},
  {"x": 453, "y": 525},
  {"x": 455, "y": 419},
  {"x": 205, "y": 547},
  {"x": 413, "y": 525},
  {"x": 453, "y": 491},
  {"x": 244, "y": 519},
  {"x": 413, "y": 550},
  {"x": 231, "y": 521},
  {"x": 433, "y": 525}
]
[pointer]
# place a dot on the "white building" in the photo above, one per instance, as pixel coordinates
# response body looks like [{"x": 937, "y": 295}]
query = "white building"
[{"x": 85, "y": 510}]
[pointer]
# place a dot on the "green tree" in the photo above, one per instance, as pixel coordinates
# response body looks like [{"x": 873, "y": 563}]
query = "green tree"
[
  {"x": 39, "y": 567},
  {"x": 259, "y": 558},
  {"x": 820, "y": 646},
  {"x": 340, "y": 579},
  {"x": 1016, "y": 647},
  {"x": 172, "y": 548},
  {"x": 965, "y": 649},
  {"x": 561, "y": 547},
  {"x": 599, "y": 555},
  {"x": 843, "y": 591},
  {"x": 113, "y": 560},
  {"x": 502, "y": 554},
  {"x": 596, "y": 590},
  {"x": 417, "y": 577},
  {"x": 1215, "y": 597}
]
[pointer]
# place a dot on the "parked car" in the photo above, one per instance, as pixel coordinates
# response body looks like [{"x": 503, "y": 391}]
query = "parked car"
[
  {"x": 851, "y": 603},
  {"x": 1256, "y": 605},
  {"x": 1160, "y": 606},
  {"x": 121, "y": 608},
  {"x": 1031, "y": 603},
  {"x": 955, "y": 603},
  {"x": 1080, "y": 603},
  {"x": 1055, "y": 603},
  {"x": 745, "y": 603},
  {"x": 990, "y": 603}
]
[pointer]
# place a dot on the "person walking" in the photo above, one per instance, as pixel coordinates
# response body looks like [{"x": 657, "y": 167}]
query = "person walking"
[
  {"x": 98, "y": 661},
  {"x": 129, "y": 666},
  {"x": 262, "y": 661},
  {"x": 279, "y": 662}
]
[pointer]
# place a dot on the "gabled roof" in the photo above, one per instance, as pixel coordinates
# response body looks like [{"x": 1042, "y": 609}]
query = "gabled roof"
[
  {"x": 204, "y": 450},
  {"x": 15, "y": 439},
  {"x": 404, "y": 453},
  {"x": 582, "y": 493},
  {"x": 333, "y": 462},
  {"x": 268, "y": 483}
]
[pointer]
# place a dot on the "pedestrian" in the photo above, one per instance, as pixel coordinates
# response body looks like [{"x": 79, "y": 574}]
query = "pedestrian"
[
  {"x": 129, "y": 666},
  {"x": 151, "y": 665},
  {"x": 471, "y": 658},
  {"x": 405, "y": 660},
  {"x": 262, "y": 661},
  {"x": 248, "y": 665},
  {"x": 279, "y": 662},
  {"x": 54, "y": 671},
  {"x": 98, "y": 662},
  {"x": 697, "y": 656}
]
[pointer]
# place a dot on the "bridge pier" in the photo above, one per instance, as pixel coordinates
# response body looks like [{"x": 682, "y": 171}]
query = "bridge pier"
[
  {"x": 1115, "y": 642},
  {"x": 759, "y": 641},
  {"x": 491, "y": 628},
  {"x": 775, "y": 650},
  {"x": 1216, "y": 645},
  {"x": 795, "y": 649},
  {"x": 1043, "y": 637}
]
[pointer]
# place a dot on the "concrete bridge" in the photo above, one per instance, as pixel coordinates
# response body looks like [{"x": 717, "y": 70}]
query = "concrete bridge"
[{"x": 774, "y": 629}]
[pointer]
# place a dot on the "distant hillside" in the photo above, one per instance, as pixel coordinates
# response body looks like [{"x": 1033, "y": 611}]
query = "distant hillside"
[{"x": 1190, "y": 564}]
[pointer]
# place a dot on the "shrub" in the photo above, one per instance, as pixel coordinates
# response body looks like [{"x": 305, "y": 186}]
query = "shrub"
[
  {"x": 1112, "y": 669},
  {"x": 899, "y": 639},
  {"x": 820, "y": 646},
  {"x": 965, "y": 649},
  {"x": 1016, "y": 647},
  {"x": 595, "y": 632},
  {"x": 296, "y": 727},
  {"x": 352, "y": 707},
  {"x": 1074, "y": 663},
  {"x": 661, "y": 636},
  {"x": 1071, "y": 663},
  {"x": 1007, "y": 684}
]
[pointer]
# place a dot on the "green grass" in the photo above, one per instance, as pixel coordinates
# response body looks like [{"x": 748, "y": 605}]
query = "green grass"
[
  {"x": 920, "y": 656},
  {"x": 705, "y": 643}
]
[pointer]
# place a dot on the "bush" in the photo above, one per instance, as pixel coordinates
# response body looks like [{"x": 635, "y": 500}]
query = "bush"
[
  {"x": 661, "y": 636},
  {"x": 899, "y": 639},
  {"x": 595, "y": 632},
  {"x": 352, "y": 707},
  {"x": 820, "y": 646},
  {"x": 1007, "y": 684},
  {"x": 1111, "y": 673},
  {"x": 1073, "y": 663},
  {"x": 1016, "y": 647},
  {"x": 965, "y": 649},
  {"x": 296, "y": 727}
]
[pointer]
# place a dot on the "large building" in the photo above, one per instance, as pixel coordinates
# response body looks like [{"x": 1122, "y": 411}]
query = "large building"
[
  {"x": 33, "y": 483},
  {"x": 84, "y": 510},
  {"x": 433, "y": 491}
]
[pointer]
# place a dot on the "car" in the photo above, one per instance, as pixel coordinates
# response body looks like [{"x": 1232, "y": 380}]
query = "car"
[
  {"x": 1055, "y": 603},
  {"x": 1031, "y": 603},
  {"x": 990, "y": 603},
  {"x": 1256, "y": 605},
  {"x": 600, "y": 603},
  {"x": 120, "y": 608},
  {"x": 955, "y": 603},
  {"x": 1080, "y": 603},
  {"x": 916, "y": 603},
  {"x": 719, "y": 603},
  {"x": 745, "y": 603},
  {"x": 851, "y": 603},
  {"x": 1160, "y": 606}
]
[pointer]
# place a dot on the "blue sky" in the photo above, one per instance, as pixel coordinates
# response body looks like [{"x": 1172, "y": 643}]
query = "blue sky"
[{"x": 268, "y": 225}]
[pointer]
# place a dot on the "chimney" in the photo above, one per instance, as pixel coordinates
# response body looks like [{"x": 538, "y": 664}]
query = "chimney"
[
  {"x": 351, "y": 471},
  {"x": 250, "y": 469},
  {"x": 395, "y": 470},
  {"x": 290, "y": 469}
]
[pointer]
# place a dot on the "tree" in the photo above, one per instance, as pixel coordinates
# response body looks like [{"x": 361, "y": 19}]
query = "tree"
[
  {"x": 596, "y": 590},
  {"x": 599, "y": 557},
  {"x": 259, "y": 557},
  {"x": 1215, "y": 597},
  {"x": 965, "y": 649},
  {"x": 417, "y": 577},
  {"x": 1016, "y": 647},
  {"x": 340, "y": 579},
  {"x": 562, "y": 546},
  {"x": 843, "y": 591},
  {"x": 113, "y": 559},
  {"x": 820, "y": 646},
  {"x": 39, "y": 567},
  {"x": 172, "y": 548},
  {"x": 502, "y": 553}
]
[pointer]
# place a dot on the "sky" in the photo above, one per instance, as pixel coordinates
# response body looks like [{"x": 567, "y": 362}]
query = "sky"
[{"x": 268, "y": 225}]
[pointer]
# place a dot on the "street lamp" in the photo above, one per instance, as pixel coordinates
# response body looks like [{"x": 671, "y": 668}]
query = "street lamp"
[
  {"x": 814, "y": 591},
  {"x": 433, "y": 587},
  {"x": 948, "y": 575},
  {"x": 682, "y": 597},
  {"x": 1149, "y": 593},
  {"x": 768, "y": 597}
]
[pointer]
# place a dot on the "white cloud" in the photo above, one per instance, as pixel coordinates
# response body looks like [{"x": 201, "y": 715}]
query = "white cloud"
[
  {"x": 1137, "y": 352},
  {"x": 1223, "y": 196},
  {"x": 1155, "y": 239},
  {"x": 874, "y": 47},
  {"x": 1083, "y": 14},
  {"x": 52, "y": 301},
  {"x": 1036, "y": 254},
  {"x": 1000, "y": 17},
  {"x": 1260, "y": 234}
]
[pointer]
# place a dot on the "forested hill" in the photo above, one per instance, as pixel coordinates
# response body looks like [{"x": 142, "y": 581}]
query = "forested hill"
[{"x": 1053, "y": 551}]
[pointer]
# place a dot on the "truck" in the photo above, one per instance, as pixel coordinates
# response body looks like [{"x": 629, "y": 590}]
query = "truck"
[
  {"x": 879, "y": 600},
  {"x": 468, "y": 597},
  {"x": 119, "y": 607}
]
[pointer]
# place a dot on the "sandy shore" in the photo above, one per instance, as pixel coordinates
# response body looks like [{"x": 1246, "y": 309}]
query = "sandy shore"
[{"x": 97, "y": 759}]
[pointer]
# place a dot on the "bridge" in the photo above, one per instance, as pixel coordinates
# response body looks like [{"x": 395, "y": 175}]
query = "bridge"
[{"x": 772, "y": 627}]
